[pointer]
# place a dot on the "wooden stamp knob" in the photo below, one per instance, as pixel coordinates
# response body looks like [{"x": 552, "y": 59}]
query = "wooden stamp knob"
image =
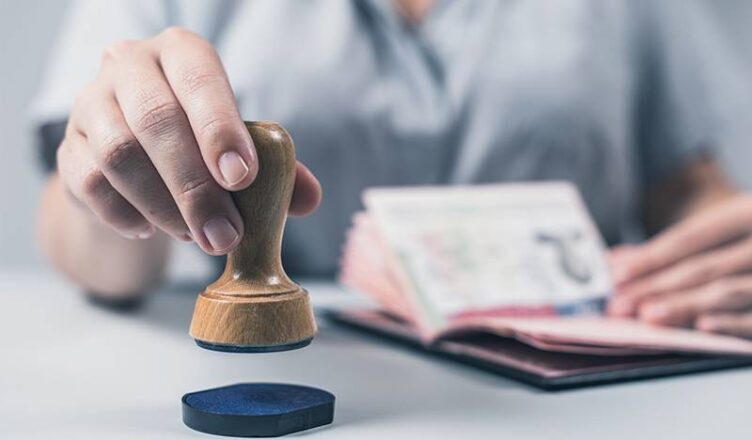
[{"x": 254, "y": 306}]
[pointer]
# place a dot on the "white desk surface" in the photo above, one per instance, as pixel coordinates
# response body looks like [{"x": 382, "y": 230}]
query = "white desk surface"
[{"x": 72, "y": 371}]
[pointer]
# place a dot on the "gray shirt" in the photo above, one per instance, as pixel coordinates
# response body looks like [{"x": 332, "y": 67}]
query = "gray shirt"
[{"x": 611, "y": 95}]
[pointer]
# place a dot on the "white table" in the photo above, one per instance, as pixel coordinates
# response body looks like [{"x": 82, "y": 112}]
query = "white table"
[{"x": 71, "y": 371}]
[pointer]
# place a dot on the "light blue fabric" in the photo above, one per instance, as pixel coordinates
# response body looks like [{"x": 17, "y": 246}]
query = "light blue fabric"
[{"x": 611, "y": 95}]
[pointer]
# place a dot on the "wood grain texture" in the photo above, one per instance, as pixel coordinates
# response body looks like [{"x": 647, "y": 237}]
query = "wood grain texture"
[{"x": 254, "y": 302}]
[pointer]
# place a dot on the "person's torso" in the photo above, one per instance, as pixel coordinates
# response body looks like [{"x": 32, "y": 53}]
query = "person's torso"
[{"x": 482, "y": 91}]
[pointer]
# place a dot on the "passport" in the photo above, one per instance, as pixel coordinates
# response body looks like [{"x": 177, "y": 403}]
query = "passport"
[{"x": 516, "y": 262}]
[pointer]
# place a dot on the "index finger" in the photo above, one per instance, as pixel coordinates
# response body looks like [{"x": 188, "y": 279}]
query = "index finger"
[
  {"x": 196, "y": 75},
  {"x": 694, "y": 235},
  {"x": 681, "y": 308}
]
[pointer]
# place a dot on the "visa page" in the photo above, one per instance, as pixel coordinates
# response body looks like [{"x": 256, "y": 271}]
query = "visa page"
[{"x": 499, "y": 250}]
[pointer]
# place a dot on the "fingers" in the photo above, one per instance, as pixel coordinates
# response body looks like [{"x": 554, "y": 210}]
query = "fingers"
[
  {"x": 727, "y": 323},
  {"x": 686, "y": 274},
  {"x": 698, "y": 233},
  {"x": 733, "y": 294},
  {"x": 122, "y": 160},
  {"x": 157, "y": 140},
  {"x": 195, "y": 74},
  {"x": 306, "y": 195},
  {"x": 88, "y": 184},
  {"x": 157, "y": 120}
]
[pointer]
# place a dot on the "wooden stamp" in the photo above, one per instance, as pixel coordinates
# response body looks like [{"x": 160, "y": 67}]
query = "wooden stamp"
[{"x": 254, "y": 306}]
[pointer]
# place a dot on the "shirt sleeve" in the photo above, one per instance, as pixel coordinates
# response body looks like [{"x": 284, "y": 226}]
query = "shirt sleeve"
[
  {"x": 686, "y": 80},
  {"x": 88, "y": 28}
]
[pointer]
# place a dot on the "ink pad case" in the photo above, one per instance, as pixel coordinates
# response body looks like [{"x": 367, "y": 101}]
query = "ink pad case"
[{"x": 257, "y": 409}]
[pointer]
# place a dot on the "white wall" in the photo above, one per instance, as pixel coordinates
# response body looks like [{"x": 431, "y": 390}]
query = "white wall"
[
  {"x": 734, "y": 18},
  {"x": 27, "y": 30}
]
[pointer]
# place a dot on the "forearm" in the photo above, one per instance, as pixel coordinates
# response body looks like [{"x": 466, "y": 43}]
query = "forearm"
[{"x": 93, "y": 255}]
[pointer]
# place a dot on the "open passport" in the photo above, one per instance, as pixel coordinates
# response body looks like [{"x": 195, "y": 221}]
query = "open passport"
[{"x": 512, "y": 277}]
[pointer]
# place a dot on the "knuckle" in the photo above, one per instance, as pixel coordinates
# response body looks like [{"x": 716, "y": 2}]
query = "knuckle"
[
  {"x": 193, "y": 190},
  {"x": 736, "y": 290},
  {"x": 83, "y": 96},
  {"x": 177, "y": 36},
  {"x": 177, "y": 33},
  {"x": 218, "y": 131},
  {"x": 737, "y": 297},
  {"x": 705, "y": 270},
  {"x": 119, "y": 50},
  {"x": 196, "y": 78},
  {"x": 168, "y": 217},
  {"x": 119, "y": 153},
  {"x": 120, "y": 215},
  {"x": 646, "y": 290},
  {"x": 158, "y": 115},
  {"x": 649, "y": 259}
]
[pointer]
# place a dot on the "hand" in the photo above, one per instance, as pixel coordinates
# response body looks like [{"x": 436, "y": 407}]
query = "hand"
[
  {"x": 156, "y": 141},
  {"x": 696, "y": 274}
]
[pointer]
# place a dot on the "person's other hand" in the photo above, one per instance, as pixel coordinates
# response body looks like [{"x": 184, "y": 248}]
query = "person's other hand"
[
  {"x": 156, "y": 141},
  {"x": 696, "y": 274}
]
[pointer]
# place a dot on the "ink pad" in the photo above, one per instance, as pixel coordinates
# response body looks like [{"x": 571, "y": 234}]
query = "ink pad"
[{"x": 257, "y": 409}]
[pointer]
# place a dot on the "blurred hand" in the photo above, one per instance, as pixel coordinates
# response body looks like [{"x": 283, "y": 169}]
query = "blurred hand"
[
  {"x": 696, "y": 274},
  {"x": 156, "y": 141}
]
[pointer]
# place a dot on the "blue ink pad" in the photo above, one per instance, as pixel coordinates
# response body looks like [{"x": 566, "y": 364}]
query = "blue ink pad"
[{"x": 257, "y": 409}]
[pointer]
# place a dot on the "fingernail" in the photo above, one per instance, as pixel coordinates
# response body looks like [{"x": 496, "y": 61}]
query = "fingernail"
[
  {"x": 656, "y": 312},
  {"x": 233, "y": 167},
  {"x": 220, "y": 233},
  {"x": 705, "y": 324},
  {"x": 142, "y": 235},
  {"x": 146, "y": 233}
]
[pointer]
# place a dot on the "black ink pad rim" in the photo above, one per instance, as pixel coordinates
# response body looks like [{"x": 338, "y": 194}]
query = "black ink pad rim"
[
  {"x": 284, "y": 409},
  {"x": 226, "y": 348}
]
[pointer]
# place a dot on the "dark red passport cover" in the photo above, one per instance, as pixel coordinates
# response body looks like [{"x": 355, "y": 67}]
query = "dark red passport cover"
[{"x": 543, "y": 369}]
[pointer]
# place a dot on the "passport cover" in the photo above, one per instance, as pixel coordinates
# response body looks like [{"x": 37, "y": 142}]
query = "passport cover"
[{"x": 547, "y": 370}]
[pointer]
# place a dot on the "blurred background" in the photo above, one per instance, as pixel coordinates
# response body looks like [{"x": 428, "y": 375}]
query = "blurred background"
[{"x": 27, "y": 33}]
